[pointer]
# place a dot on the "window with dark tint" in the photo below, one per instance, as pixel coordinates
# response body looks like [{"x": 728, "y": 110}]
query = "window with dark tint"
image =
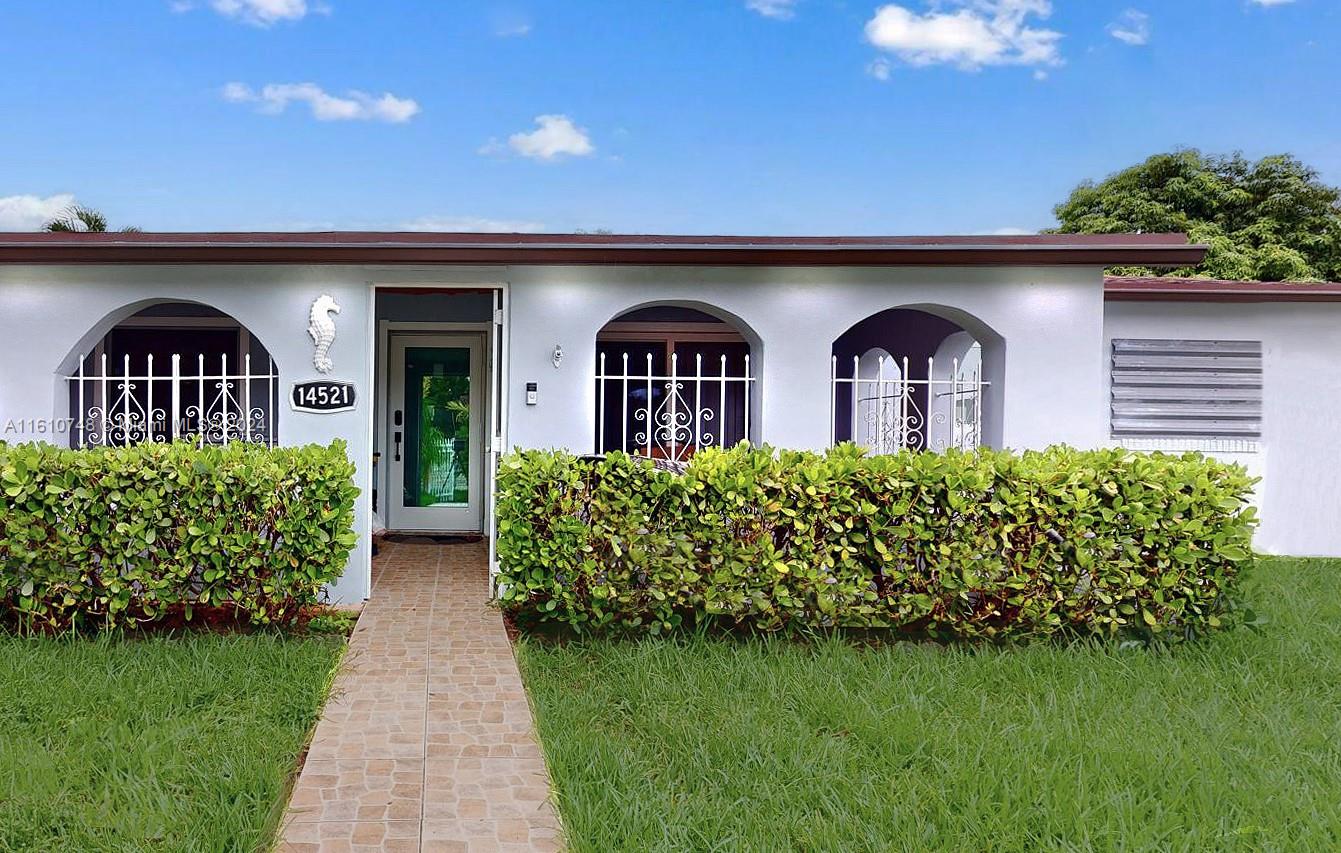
[{"x": 711, "y": 411}]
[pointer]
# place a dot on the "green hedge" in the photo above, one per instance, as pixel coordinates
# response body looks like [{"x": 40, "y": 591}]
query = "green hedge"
[
  {"x": 984, "y": 545},
  {"x": 126, "y": 535}
]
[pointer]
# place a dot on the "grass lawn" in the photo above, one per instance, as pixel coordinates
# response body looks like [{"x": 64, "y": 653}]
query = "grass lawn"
[
  {"x": 769, "y": 745},
  {"x": 171, "y": 744}
]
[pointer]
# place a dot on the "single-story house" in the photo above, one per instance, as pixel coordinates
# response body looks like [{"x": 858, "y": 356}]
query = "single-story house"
[{"x": 431, "y": 354}]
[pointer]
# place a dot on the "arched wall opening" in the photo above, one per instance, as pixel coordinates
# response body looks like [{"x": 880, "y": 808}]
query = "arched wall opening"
[
  {"x": 674, "y": 378},
  {"x": 918, "y": 377},
  {"x": 167, "y": 370}
]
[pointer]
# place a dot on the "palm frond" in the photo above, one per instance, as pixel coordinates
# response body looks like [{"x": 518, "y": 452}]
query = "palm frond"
[
  {"x": 92, "y": 219},
  {"x": 77, "y": 218}
]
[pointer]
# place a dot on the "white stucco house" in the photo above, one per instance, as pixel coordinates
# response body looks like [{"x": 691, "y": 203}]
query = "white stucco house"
[{"x": 431, "y": 354}]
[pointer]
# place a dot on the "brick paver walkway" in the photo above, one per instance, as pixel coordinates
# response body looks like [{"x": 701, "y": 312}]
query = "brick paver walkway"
[{"x": 426, "y": 743}]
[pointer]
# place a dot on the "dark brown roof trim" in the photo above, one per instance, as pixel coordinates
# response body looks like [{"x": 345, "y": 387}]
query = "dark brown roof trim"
[
  {"x": 1117, "y": 289},
  {"x": 360, "y": 247}
]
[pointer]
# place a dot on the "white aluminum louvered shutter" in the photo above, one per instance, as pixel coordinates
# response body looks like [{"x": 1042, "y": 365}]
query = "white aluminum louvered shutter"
[{"x": 1186, "y": 389}]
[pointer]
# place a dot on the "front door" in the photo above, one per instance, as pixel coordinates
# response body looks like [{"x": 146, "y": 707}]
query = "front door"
[{"x": 436, "y": 402}]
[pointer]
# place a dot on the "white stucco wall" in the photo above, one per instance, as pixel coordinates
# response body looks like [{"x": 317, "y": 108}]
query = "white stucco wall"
[
  {"x": 48, "y": 315},
  {"x": 1047, "y": 323},
  {"x": 1050, "y": 321},
  {"x": 1299, "y": 456}
]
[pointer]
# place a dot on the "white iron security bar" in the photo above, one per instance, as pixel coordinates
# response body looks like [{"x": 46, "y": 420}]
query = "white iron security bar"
[
  {"x": 889, "y": 412},
  {"x": 691, "y": 414},
  {"x": 211, "y": 408}
]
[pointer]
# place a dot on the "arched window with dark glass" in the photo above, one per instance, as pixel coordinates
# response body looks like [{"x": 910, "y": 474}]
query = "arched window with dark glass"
[
  {"x": 670, "y": 381},
  {"x": 174, "y": 371}
]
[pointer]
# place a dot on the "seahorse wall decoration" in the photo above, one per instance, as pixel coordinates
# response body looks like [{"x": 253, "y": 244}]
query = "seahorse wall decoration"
[{"x": 321, "y": 327}]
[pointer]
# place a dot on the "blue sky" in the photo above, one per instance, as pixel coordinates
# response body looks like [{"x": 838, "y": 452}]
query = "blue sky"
[{"x": 694, "y": 116}]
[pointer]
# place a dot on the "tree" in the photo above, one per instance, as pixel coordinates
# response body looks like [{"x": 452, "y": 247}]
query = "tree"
[
  {"x": 1273, "y": 220},
  {"x": 77, "y": 218}
]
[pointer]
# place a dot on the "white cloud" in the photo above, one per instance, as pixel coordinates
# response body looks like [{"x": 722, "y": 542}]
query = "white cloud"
[
  {"x": 555, "y": 136},
  {"x": 1132, "y": 27},
  {"x": 1270, "y": 3},
  {"x": 778, "y": 9},
  {"x": 968, "y": 34},
  {"x": 510, "y": 24},
  {"x": 237, "y": 93},
  {"x": 273, "y": 98},
  {"x": 477, "y": 224},
  {"x": 262, "y": 13},
  {"x": 1010, "y": 231},
  {"x": 31, "y": 212},
  {"x": 879, "y": 68}
]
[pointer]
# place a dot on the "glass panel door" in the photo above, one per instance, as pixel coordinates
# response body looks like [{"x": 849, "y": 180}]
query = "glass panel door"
[
  {"x": 437, "y": 426},
  {"x": 435, "y": 432}
]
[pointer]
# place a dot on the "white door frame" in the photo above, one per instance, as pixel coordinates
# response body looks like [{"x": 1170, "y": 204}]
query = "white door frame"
[{"x": 497, "y": 357}]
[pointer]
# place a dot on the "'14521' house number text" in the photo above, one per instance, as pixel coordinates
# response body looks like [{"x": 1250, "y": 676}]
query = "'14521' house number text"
[{"x": 323, "y": 396}]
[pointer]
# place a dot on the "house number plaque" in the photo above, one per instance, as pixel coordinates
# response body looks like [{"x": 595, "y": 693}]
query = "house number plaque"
[{"x": 322, "y": 396}]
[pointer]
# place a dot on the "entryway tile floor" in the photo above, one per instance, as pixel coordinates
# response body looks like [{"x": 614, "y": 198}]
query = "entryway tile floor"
[{"x": 427, "y": 742}]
